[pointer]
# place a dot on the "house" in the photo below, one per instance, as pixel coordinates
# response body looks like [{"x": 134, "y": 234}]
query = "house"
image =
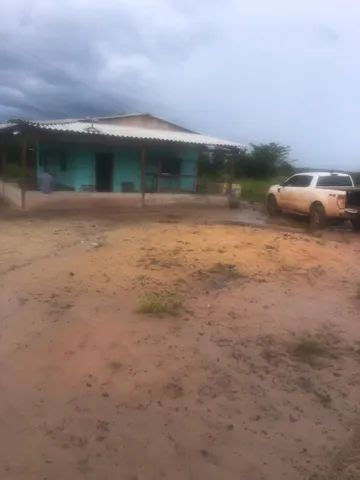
[{"x": 132, "y": 153}]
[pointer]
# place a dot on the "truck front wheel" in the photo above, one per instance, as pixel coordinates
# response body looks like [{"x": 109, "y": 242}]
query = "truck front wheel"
[
  {"x": 318, "y": 218},
  {"x": 272, "y": 207}
]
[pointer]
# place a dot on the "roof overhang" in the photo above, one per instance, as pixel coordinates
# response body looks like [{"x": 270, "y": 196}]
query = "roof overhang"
[{"x": 114, "y": 134}]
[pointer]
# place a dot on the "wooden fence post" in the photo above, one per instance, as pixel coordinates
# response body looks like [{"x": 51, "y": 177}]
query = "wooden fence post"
[
  {"x": 143, "y": 167},
  {"x": 3, "y": 167},
  {"x": 23, "y": 172}
]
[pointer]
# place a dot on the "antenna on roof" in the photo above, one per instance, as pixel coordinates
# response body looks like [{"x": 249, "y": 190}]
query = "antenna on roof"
[
  {"x": 91, "y": 128},
  {"x": 90, "y": 120}
]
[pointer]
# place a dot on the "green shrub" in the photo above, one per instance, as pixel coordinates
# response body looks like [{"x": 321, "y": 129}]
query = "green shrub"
[
  {"x": 13, "y": 173},
  {"x": 308, "y": 348},
  {"x": 160, "y": 304},
  {"x": 254, "y": 190}
]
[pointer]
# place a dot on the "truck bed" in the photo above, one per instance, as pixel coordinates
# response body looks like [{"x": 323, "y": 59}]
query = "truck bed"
[{"x": 352, "y": 195}]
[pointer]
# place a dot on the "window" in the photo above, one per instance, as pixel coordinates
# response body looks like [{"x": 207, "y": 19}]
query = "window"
[
  {"x": 171, "y": 166},
  {"x": 299, "y": 181},
  {"x": 334, "y": 181}
]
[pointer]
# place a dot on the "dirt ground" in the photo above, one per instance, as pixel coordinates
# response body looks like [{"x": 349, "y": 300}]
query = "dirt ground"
[{"x": 257, "y": 377}]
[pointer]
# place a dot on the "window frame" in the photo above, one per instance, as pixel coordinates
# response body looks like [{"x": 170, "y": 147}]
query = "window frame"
[
  {"x": 174, "y": 173},
  {"x": 350, "y": 184},
  {"x": 296, "y": 176}
]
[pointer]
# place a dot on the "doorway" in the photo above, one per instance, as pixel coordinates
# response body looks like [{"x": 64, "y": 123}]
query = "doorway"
[{"x": 104, "y": 167}]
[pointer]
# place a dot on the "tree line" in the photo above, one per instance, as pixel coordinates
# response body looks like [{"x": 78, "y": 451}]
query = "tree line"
[{"x": 262, "y": 160}]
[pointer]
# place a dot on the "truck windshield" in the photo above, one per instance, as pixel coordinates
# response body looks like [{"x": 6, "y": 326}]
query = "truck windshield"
[{"x": 334, "y": 181}]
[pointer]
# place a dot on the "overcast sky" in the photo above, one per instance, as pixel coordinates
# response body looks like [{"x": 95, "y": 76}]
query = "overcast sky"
[{"x": 251, "y": 71}]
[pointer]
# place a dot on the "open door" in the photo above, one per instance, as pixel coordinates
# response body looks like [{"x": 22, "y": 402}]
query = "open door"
[{"x": 104, "y": 169}]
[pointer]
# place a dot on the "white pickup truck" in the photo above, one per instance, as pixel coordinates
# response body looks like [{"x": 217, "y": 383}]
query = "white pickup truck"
[{"x": 322, "y": 196}]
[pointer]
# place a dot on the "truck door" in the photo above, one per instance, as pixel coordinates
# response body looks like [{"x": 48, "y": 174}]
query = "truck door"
[{"x": 292, "y": 193}]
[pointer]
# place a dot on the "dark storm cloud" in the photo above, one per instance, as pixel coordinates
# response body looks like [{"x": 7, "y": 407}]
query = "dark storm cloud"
[
  {"x": 266, "y": 70},
  {"x": 78, "y": 58},
  {"x": 52, "y": 64}
]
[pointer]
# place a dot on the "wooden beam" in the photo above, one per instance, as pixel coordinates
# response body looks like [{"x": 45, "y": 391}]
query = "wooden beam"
[
  {"x": 231, "y": 173},
  {"x": 3, "y": 162},
  {"x": 143, "y": 167},
  {"x": 197, "y": 171},
  {"x": 3, "y": 167},
  {"x": 158, "y": 172},
  {"x": 23, "y": 172}
]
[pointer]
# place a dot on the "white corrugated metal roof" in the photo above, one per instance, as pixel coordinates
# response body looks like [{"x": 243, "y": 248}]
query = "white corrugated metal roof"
[
  {"x": 89, "y": 128},
  {"x": 6, "y": 125}
]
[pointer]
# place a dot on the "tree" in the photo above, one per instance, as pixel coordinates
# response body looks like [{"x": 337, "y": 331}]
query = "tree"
[
  {"x": 218, "y": 163},
  {"x": 212, "y": 164},
  {"x": 356, "y": 178},
  {"x": 267, "y": 160},
  {"x": 261, "y": 161},
  {"x": 16, "y": 120}
]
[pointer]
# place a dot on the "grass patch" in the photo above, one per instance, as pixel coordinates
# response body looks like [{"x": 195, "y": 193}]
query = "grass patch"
[
  {"x": 219, "y": 275},
  {"x": 320, "y": 393},
  {"x": 308, "y": 349},
  {"x": 254, "y": 190},
  {"x": 160, "y": 304},
  {"x": 228, "y": 269},
  {"x": 358, "y": 290},
  {"x": 115, "y": 366}
]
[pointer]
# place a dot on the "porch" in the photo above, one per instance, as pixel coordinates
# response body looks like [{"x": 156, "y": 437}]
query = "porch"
[
  {"x": 83, "y": 164},
  {"x": 103, "y": 168}
]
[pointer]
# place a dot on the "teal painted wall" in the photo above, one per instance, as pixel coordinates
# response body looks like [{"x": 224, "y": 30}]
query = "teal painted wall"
[
  {"x": 73, "y": 166},
  {"x": 189, "y": 169},
  {"x": 127, "y": 168}
]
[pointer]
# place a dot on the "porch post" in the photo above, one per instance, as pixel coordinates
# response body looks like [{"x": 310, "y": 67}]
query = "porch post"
[
  {"x": 197, "y": 172},
  {"x": 143, "y": 166},
  {"x": 23, "y": 172},
  {"x": 3, "y": 161},
  {"x": 3, "y": 166},
  {"x": 231, "y": 174},
  {"x": 232, "y": 200},
  {"x": 158, "y": 171}
]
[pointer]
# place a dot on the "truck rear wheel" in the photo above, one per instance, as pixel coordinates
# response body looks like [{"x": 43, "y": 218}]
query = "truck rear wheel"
[
  {"x": 318, "y": 218},
  {"x": 356, "y": 224},
  {"x": 272, "y": 207}
]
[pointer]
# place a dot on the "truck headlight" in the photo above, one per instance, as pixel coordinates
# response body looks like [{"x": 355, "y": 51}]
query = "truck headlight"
[{"x": 341, "y": 201}]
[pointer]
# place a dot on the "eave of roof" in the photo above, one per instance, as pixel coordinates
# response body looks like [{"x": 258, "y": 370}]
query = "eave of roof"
[
  {"x": 91, "y": 129},
  {"x": 3, "y": 126}
]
